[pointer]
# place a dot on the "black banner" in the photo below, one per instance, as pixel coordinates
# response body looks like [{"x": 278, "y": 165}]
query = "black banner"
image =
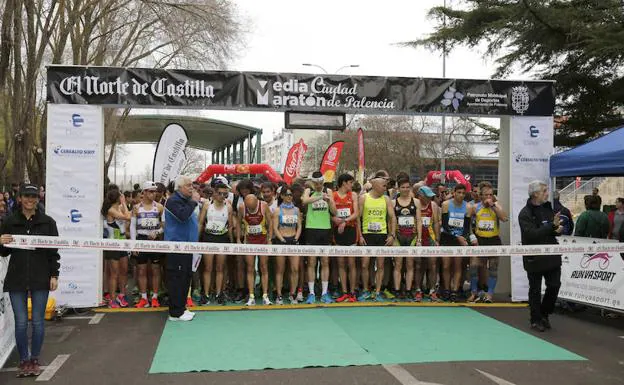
[{"x": 137, "y": 87}]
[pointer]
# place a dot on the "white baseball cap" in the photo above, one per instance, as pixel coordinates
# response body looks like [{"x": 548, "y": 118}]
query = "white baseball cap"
[
  {"x": 221, "y": 180},
  {"x": 149, "y": 185}
]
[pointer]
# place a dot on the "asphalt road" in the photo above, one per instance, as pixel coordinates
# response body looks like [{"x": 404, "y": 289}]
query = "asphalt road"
[{"x": 119, "y": 350}]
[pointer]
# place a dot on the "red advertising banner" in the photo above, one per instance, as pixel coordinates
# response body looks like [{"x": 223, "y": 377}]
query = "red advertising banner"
[
  {"x": 237, "y": 169},
  {"x": 294, "y": 160},
  {"x": 330, "y": 160},
  {"x": 360, "y": 173},
  {"x": 452, "y": 176}
]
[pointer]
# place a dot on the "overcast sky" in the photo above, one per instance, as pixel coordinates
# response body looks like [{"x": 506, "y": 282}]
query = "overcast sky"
[{"x": 283, "y": 34}]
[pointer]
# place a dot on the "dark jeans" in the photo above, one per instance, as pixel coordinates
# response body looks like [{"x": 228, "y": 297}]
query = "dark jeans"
[
  {"x": 541, "y": 308},
  {"x": 178, "y": 282},
  {"x": 19, "y": 302}
]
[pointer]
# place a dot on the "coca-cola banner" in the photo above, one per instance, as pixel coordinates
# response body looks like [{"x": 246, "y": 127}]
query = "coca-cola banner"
[
  {"x": 294, "y": 160},
  {"x": 111, "y": 86},
  {"x": 330, "y": 160}
]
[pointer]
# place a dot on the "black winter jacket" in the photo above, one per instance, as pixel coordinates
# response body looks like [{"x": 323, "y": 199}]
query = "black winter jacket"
[
  {"x": 30, "y": 269},
  {"x": 536, "y": 226}
]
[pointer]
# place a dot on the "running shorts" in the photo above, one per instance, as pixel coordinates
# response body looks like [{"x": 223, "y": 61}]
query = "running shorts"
[
  {"x": 347, "y": 238},
  {"x": 317, "y": 237},
  {"x": 375, "y": 239}
]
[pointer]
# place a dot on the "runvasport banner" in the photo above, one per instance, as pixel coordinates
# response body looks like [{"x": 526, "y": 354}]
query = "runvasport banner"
[{"x": 111, "y": 86}]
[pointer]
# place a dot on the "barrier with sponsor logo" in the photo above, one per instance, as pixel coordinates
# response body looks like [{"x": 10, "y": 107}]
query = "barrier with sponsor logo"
[
  {"x": 593, "y": 278},
  {"x": 7, "y": 337}
]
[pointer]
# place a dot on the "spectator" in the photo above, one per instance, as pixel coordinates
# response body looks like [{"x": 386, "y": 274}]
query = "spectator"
[
  {"x": 31, "y": 272},
  {"x": 616, "y": 219},
  {"x": 592, "y": 223},
  {"x": 567, "y": 221},
  {"x": 595, "y": 192},
  {"x": 539, "y": 225}
]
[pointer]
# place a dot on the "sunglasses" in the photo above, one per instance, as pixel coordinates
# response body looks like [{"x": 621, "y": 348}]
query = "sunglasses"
[
  {"x": 288, "y": 194},
  {"x": 224, "y": 194},
  {"x": 30, "y": 196}
]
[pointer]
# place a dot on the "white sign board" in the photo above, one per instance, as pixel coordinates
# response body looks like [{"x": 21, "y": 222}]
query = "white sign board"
[
  {"x": 532, "y": 142},
  {"x": 74, "y": 185},
  {"x": 7, "y": 325}
]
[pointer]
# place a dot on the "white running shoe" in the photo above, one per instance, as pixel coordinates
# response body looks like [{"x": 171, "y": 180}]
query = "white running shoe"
[
  {"x": 183, "y": 317},
  {"x": 299, "y": 296},
  {"x": 251, "y": 302},
  {"x": 279, "y": 300},
  {"x": 192, "y": 314},
  {"x": 266, "y": 300}
]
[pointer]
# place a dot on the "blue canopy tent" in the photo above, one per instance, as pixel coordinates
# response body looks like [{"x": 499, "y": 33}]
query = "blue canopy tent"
[{"x": 600, "y": 157}]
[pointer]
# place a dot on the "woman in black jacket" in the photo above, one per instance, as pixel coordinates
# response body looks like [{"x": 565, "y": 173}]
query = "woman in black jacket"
[{"x": 30, "y": 271}]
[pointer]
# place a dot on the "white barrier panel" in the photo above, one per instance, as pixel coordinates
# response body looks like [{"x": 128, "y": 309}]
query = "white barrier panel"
[
  {"x": 28, "y": 241},
  {"x": 7, "y": 325},
  {"x": 74, "y": 185},
  {"x": 532, "y": 144}
]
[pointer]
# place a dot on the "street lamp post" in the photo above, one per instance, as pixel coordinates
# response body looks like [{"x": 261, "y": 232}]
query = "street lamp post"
[{"x": 325, "y": 71}]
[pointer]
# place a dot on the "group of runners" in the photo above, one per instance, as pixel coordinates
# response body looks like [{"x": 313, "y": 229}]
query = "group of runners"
[{"x": 380, "y": 213}]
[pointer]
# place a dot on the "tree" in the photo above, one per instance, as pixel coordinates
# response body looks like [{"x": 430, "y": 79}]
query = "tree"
[
  {"x": 152, "y": 33},
  {"x": 398, "y": 143},
  {"x": 577, "y": 43},
  {"x": 195, "y": 161}
]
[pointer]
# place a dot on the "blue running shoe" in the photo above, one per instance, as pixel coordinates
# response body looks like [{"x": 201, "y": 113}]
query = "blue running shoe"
[
  {"x": 311, "y": 299},
  {"x": 326, "y": 298},
  {"x": 378, "y": 297},
  {"x": 364, "y": 296}
]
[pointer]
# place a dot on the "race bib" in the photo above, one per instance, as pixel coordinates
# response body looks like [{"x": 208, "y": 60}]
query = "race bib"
[
  {"x": 344, "y": 213},
  {"x": 289, "y": 219},
  {"x": 374, "y": 227},
  {"x": 215, "y": 227},
  {"x": 149, "y": 222},
  {"x": 426, "y": 221},
  {"x": 319, "y": 205},
  {"x": 406, "y": 221},
  {"x": 254, "y": 229},
  {"x": 456, "y": 222},
  {"x": 486, "y": 225}
]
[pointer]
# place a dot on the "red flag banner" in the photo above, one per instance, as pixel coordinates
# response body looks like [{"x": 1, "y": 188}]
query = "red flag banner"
[
  {"x": 331, "y": 159},
  {"x": 361, "y": 166},
  {"x": 294, "y": 160}
]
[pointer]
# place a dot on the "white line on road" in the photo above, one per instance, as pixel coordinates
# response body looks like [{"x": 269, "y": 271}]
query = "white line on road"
[
  {"x": 15, "y": 369},
  {"x": 54, "y": 366},
  {"x": 78, "y": 317},
  {"x": 622, "y": 337},
  {"x": 405, "y": 377},
  {"x": 96, "y": 319},
  {"x": 497, "y": 380}
]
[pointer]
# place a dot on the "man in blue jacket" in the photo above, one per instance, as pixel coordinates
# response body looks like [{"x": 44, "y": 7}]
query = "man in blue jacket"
[{"x": 181, "y": 213}]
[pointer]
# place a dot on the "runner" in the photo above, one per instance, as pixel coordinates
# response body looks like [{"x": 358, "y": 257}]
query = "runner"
[
  {"x": 237, "y": 263},
  {"x": 116, "y": 212},
  {"x": 489, "y": 213},
  {"x": 346, "y": 233},
  {"x": 268, "y": 195},
  {"x": 407, "y": 211},
  {"x": 298, "y": 190},
  {"x": 320, "y": 205},
  {"x": 287, "y": 229},
  {"x": 430, "y": 214},
  {"x": 378, "y": 229},
  {"x": 215, "y": 226},
  {"x": 456, "y": 218},
  {"x": 146, "y": 224},
  {"x": 255, "y": 216}
]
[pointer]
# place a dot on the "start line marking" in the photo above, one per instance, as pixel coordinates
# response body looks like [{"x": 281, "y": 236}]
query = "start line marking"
[
  {"x": 406, "y": 378},
  {"x": 93, "y": 320}
]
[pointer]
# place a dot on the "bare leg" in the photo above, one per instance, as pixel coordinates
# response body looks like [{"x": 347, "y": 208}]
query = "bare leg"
[
  {"x": 294, "y": 274},
  {"x": 207, "y": 272},
  {"x": 352, "y": 273},
  {"x": 325, "y": 269},
  {"x": 250, "y": 270},
  {"x": 380, "y": 261},
  {"x": 280, "y": 266},
  {"x": 155, "y": 270},
  {"x": 342, "y": 273},
  {"x": 446, "y": 273},
  {"x": 142, "y": 277},
  {"x": 396, "y": 272},
  {"x": 365, "y": 272},
  {"x": 123, "y": 275},
  {"x": 432, "y": 273},
  {"x": 409, "y": 273},
  {"x": 219, "y": 266},
  {"x": 458, "y": 267},
  {"x": 264, "y": 273},
  {"x": 113, "y": 274}
]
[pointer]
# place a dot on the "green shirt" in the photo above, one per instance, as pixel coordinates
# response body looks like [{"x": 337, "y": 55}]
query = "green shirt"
[{"x": 317, "y": 215}]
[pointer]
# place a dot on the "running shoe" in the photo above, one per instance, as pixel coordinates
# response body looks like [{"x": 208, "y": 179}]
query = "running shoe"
[
  {"x": 23, "y": 370},
  {"x": 155, "y": 302},
  {"x": 311, "y": 299},
  {"x": 292, "y": 299},
  {"x": 343, "y": 298},
  {"x": 352, "y": 298},
  {"x": 240, "y": 296},
  {"x": 121, "y": 299},
  {"x": 364, "y": 296},
  {"x": 453, "y": 297},
  {"x": 402, "y": 295},
  {"x": 196, "y": 296},
  {"x": 266, "y": 300},
  {"x": 388, "y": 294},
  {"x": 107, "y": 299},
  {"x": 142, "y": 303},
  {"x": 326, "y": 298},
  {"x": 279, "y": 300},
  {"x": 204, "y": 300},
  {"x": 221, "y": 299},
  {"x": 335, "y": 293},
  {"x": 34, "y": 369},
  {"x": 114, "y": 304},
  {"x": 487, "y": 299},
  {"x": 378, "y": 297},
  {"x": 189, "y": 302},
  {"x": 446, "y": 295},
  {"x": 185, "y": 317},
  {"x": 299, "y": 295},
  {"x": 251, "y": 301},
  {"x": 418, "y": 297},
  {"x": 473, "y": 298},
  {"x": 433, "y": 297}
]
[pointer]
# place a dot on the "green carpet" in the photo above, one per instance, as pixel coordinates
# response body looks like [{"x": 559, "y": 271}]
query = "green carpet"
[{"x": 287, "y": 339}]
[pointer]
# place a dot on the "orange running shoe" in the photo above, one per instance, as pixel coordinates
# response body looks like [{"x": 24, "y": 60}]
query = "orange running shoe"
[
  {"x": 155, "y": 302},
  {"x": 343, "y": 298},
  {"x": 142, "y": 303},
  {"x": 189, "y": 302}
]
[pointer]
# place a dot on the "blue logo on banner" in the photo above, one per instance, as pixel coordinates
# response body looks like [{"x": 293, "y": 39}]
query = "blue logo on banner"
[
  {"x": 74, "y": 216},
  {"x": 77, "y": 120},
  {"x": 533, "y": 131}
]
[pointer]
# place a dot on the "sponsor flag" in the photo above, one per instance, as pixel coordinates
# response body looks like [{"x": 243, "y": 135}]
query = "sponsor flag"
[
  {"x": 169, "y": 157},
  {"x": 294, "y": 160},
  {"x": 330, "y": 160},
  {"x": 360, "y": 173}
]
